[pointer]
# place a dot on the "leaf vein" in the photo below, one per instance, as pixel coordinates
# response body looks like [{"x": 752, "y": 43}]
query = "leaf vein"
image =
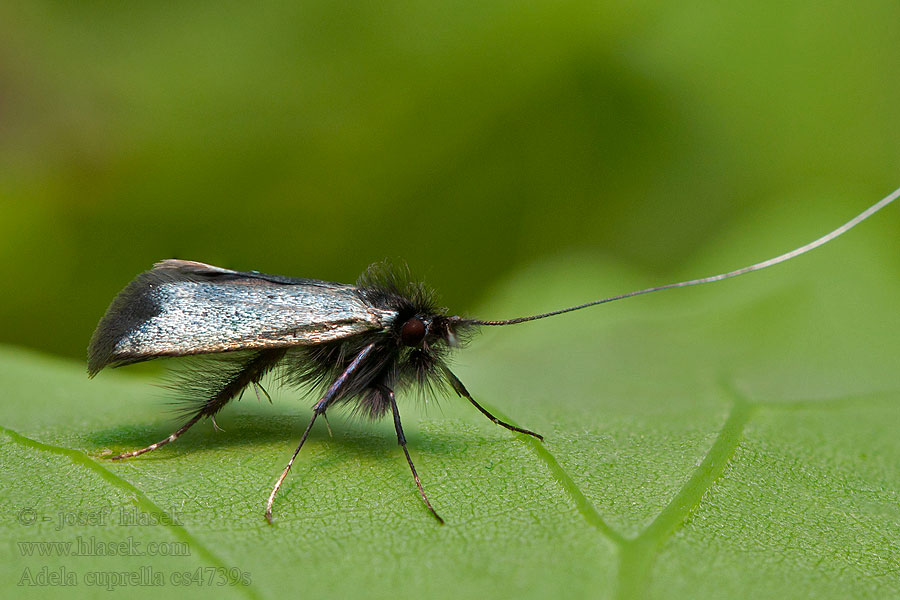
[
  {"x": 639, "y": 554},
  {"x": 140, "y": 500},
  {"x": 584, "y": 506}
]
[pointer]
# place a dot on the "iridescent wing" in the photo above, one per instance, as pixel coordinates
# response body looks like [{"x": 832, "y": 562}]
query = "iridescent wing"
[{"x": 182, "y": 307}]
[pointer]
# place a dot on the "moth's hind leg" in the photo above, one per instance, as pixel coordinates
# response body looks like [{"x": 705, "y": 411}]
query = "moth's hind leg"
[
  {"x": 217, "y": 389},
  {"x": 171, "y": 438}
]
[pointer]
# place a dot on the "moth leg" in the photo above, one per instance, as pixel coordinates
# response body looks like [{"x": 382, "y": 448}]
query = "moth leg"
[
  {"x": 401, "y": 439},
  {"x": 258, "y": 386},
  {"x": 287, "y": 469},
  {"x": 319, "y": 409},
  {"x": 251, "y": 372},
  {"x": 171, "y": 438},
  {"x": 328, "y": 425},
  {"x": 461, "y": 390}
]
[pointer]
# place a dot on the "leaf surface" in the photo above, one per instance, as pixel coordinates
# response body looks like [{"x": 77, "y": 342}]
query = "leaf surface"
[{"x": 732, "y": 440}]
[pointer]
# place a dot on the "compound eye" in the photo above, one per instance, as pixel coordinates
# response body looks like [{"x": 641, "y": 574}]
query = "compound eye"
[{"x": 413, "y": 332}]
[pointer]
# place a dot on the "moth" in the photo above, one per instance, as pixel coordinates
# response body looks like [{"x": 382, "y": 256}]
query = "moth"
[{"x": 356, "y": 345}]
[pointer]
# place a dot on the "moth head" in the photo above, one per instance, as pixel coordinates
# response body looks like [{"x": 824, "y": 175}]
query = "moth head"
[
  {"x": 430, "y": 330},
  {"x": 417, "y": 324}
]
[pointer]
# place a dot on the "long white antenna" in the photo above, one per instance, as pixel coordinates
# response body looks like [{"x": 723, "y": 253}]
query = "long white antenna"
[{"x": 755, "y": 267}]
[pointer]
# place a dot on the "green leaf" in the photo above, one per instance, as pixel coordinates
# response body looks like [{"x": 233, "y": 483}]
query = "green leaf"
[{"x": 731, "y": 440}]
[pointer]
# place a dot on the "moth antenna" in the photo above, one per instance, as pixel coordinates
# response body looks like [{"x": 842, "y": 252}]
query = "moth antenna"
[{"x": 749, "y": 269}]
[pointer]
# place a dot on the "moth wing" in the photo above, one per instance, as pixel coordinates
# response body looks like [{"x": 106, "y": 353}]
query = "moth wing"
[{"x": 180, "y": 308}]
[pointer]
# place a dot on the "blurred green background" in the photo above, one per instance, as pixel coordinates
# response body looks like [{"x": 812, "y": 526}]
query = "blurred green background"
[{"x": 469, "y": 138}]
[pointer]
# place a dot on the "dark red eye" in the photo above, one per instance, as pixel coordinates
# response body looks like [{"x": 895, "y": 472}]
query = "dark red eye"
[{"x": 412, "y": 332}]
